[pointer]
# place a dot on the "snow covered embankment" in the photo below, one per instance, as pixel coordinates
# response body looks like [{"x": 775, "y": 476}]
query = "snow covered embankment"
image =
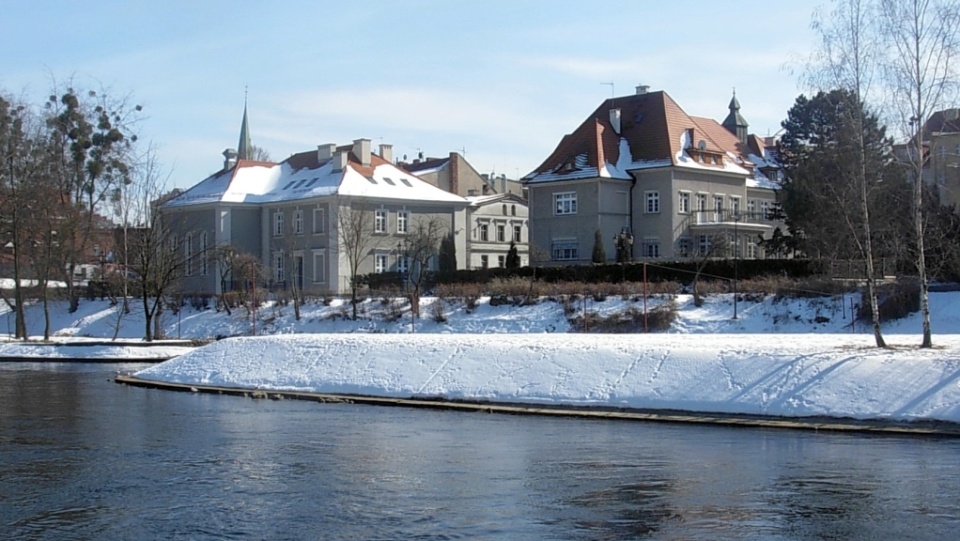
[{"x": 778, "y": 375}]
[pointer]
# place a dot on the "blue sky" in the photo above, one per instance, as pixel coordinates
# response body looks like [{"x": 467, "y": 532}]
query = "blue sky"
[{"x": 502, "y": 81}]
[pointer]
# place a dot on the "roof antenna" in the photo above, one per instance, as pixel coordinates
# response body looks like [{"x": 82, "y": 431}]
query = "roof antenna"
[{"x": 611, "y": 88}]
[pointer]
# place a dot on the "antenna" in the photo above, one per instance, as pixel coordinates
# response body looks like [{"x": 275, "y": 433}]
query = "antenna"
[
  {"x": 463, "y": 151},
  {"x": 611, "y": 88}
]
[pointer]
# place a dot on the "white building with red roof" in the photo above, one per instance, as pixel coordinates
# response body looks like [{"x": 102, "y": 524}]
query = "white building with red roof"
[{"x": 287, "y": 214}]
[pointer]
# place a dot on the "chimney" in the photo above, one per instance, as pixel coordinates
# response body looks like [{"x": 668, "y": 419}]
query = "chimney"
[
  {"x": 325, "y": 152},
  {"x": 642, "y": 89},
  {"x": 615, "y": 120},
  {"x": 229, "y": 159},
  {"x": 339, "y": 161},
  {"x": 503, "y": 183},
  {"x": 386, "y": 152},
  {"x": 361, "y": 149},
  {"x": 455, "y": 173}
]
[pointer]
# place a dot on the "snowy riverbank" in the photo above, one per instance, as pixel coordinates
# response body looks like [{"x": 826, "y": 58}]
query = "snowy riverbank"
[{"x": 775, "y": 375}]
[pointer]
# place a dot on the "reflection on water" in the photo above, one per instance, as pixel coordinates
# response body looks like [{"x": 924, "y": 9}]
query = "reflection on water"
[{"x": 84, "y": 458}]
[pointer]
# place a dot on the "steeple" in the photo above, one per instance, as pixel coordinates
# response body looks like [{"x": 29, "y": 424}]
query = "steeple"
[
  {"x": 244, "y": 147},
  {"x": 735, "y": 123}
]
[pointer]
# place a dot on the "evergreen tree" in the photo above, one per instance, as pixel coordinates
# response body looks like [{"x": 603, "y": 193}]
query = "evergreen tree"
[
  {"x": 599, "y": 254},
  {"x": 448, "y": 254},
  {"x": 513, "y": 257}
]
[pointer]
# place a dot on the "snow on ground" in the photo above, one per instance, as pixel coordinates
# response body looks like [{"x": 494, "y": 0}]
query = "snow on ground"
[{"x": 793, "y": 357}]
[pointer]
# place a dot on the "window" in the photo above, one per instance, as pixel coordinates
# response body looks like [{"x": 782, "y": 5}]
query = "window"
[
  {"x": 735, "y": 206},
  {"x": 380, "y": 263},
  {"x": 278, "y": 223},
  {"x": 652, "y": 202},
  {"x": 513, "y": 208},
  {"x": 484, "y": 261},
  {"x": 752, "y": 250},
  {"x": 765, "y": 210},
  {"x": 403, "y": 221},
  {"x": 683, "y": 205},
  {"x": 683, "y": 247},
  {"x": 319, "y": 221},
  {"x": 717, "y": 207},
  {"x": 188, "y": 254},
  {"x": 319, "y": 267},
  {"x": 484, "y": 232},
  {"x": 380, "y": 222},
  {"x": 517, "y": 231},
  {"x": 278, "y": 275},
  {"x": 173, "y": 243},
  {"x": 704, "y": 245},
  {"x": 203, "y": 254},
  {"x": 298, "y": 222},
  {"x": 651, "y": 248},
  {"x": 501, "y": 261},
  {"x": 565, "y": 203},
  {"x": 501, "y": 233},
  {"x": 751, "y": 207},
  {"x": 565, "y": 250},
  {"x": 504, "y": 209},
  {"x": 403, "y": 265},
  {"x": 701, "y": 202}
]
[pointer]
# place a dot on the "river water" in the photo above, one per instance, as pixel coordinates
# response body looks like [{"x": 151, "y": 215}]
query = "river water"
[{"x": 84, "y": 458}]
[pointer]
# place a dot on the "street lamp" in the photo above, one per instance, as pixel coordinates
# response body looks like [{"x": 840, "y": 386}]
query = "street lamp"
[{"x": 736, "y": 261}]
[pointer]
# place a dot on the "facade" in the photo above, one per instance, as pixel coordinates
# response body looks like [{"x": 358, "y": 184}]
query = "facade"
[
  {"x": 455, "y": 175},
  {"x": 657, "y": 182},
  {"x": 290, "y": 215},
  {"x": 494, "y": 222},
  {"x": 941, "y": 148}
]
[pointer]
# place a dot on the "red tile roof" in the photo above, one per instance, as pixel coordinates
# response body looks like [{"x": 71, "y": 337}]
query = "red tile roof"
[{"x": 652, "y": 124}]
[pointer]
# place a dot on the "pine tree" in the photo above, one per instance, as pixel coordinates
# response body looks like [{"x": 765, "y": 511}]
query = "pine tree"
[
  {"x": 599, "y": 254},
  {"x": 513, "y": 257},
  {"x": 448, "y": 254}
]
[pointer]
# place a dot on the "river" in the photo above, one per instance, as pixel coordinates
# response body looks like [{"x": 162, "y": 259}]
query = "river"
[{"x": 84, "y": 458}]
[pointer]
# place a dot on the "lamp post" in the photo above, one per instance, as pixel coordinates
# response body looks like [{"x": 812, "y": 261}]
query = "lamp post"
[{"x": 736, "y": 261}]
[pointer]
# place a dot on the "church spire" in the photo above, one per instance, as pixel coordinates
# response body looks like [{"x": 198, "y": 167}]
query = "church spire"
[
  {"x": 735, "y": 123},
  {"x": 244, "y": 147}
]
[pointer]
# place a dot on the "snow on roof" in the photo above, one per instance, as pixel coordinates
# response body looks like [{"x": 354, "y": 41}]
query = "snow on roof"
[{"x": 252, "y": 182}]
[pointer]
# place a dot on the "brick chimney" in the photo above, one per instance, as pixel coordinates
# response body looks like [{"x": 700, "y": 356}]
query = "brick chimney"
[
  {"x": 386, "y": 152},
  {"x": 361, "y": 149},
  {"x": 325, "y": 152},
  {"x": 454, "y": 173}
]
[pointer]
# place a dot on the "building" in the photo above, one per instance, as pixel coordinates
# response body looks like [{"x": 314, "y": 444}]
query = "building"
[
  {"x": 455, "y": 175},
  {"x": 941, "y": 154},
  {"x": 655, "y": 180},
  {"x": 291, "y": 214},
  {"x": 495, "y": 222}
]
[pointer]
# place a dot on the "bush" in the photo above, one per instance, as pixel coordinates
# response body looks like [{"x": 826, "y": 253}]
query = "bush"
[
  {"x": 631, "y": 320},
  {"x": 894, "y": 301}
]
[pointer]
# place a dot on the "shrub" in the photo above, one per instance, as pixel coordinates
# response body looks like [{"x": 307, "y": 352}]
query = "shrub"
[
  {"x": 894, "y": 301},
  {"x": 439, "y": 316}
]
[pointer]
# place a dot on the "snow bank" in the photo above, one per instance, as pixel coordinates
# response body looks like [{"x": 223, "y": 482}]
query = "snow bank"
[{"x": 783, "y": 375}]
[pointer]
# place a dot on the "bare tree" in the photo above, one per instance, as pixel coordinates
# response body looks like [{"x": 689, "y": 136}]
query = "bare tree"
[
  {"x": 286, "y": 244},
  {"x": 717, "y": 245},
  {"x": 226, "y": 262},
  {"x": 847, "y": 58},
  {"x": 356, "y": 239},
  {"x": 920, "y": 71},
  {"x": 421, "y": 246}
]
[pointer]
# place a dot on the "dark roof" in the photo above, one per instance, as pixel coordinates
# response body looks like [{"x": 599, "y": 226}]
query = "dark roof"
[{"x": 421, "y": 165}]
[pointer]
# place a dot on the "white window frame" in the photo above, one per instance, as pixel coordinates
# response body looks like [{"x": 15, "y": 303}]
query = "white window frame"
[
  {"x": 483, "y": 232},
  {"x": 403, "y": 264},
  {"x": 319, "y": 267},
  {"x": 735, "y": 205},
  {"x": 764, "y": 209},
  {"x": 683, "y": 203},
  {"x": 517, "y": 233},
  {"x": 651, "y": 248},
  {"x": 380, "y": 221},
  {"x": 701, "y": 202},
  {"x": 564, "y": 203},
  {"x": 319, "y": 221},
  {"x": 501, "y": 261},
  {"x": 651, "y": 202},
  {"x": 278, "y": 223},
  {"x": 403, "y": 222},
  {"x": 380, "y": 263},
  {"x": 501, "y": 233},
  {"x": 298, "y": 222},
  {"x": 565, "y": 250},
  {"x": 484, "y": 261}
]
